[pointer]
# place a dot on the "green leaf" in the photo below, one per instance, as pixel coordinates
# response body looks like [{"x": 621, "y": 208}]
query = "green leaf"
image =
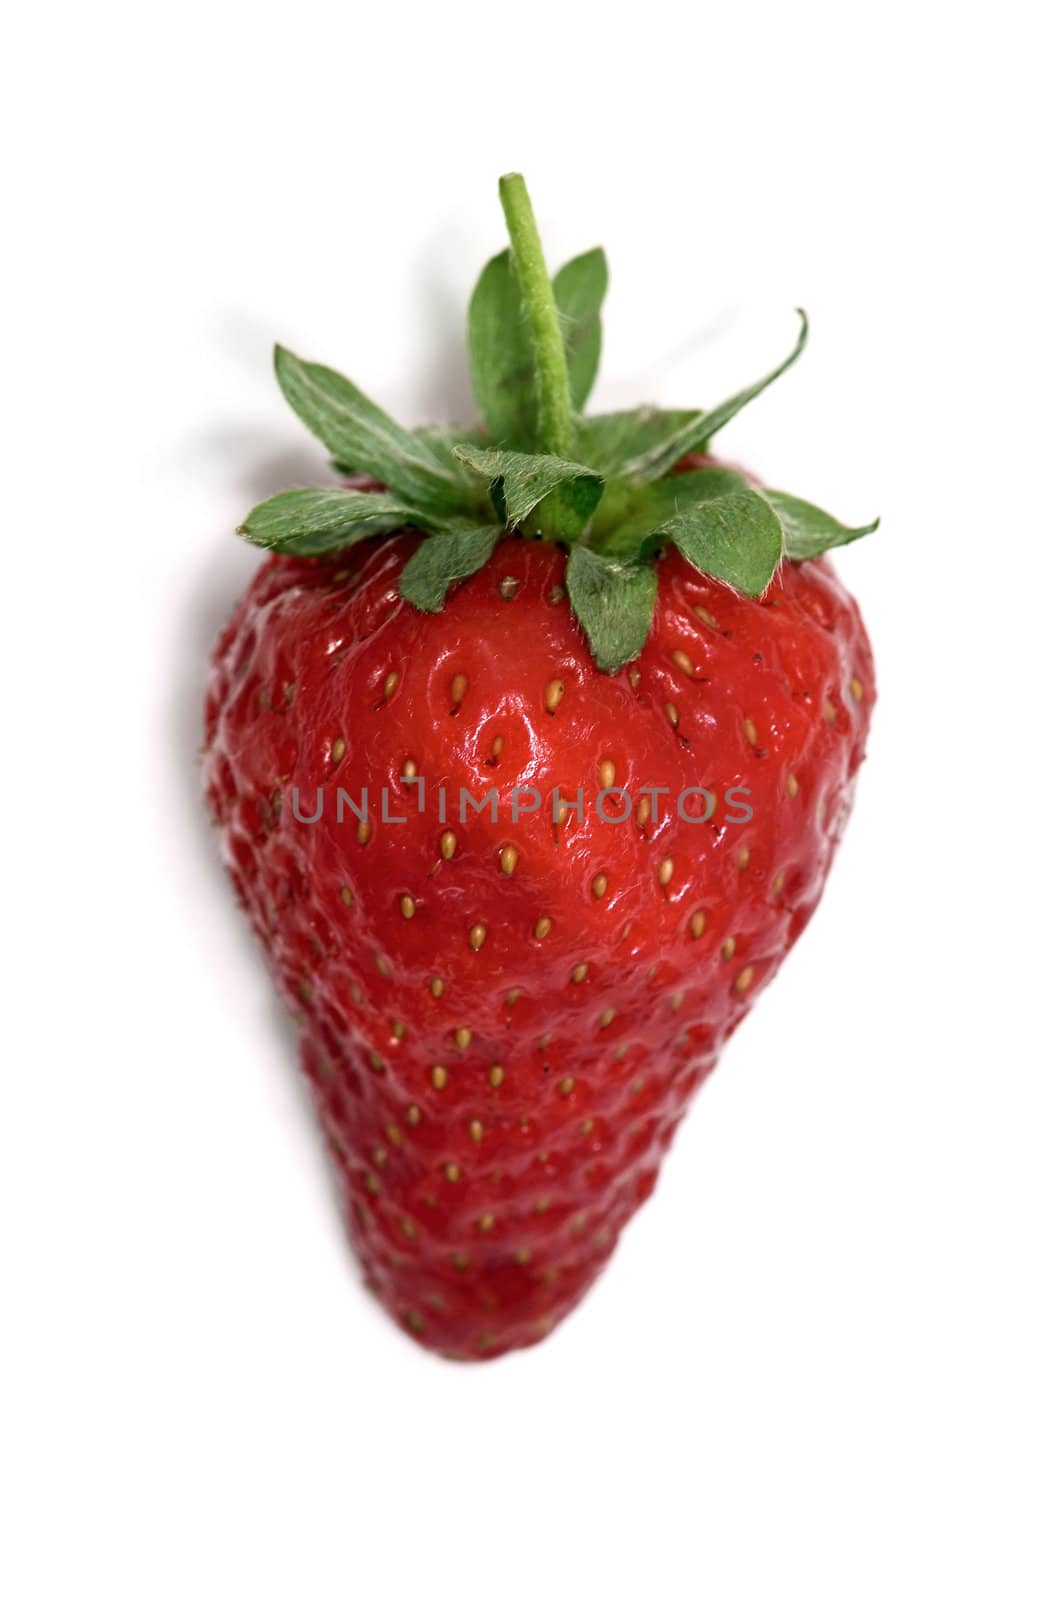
[
  {"x": 628, "y": 515},
  {"x": 312, "y": 522},
  {"x": 501, "y": 355},
  {"x": 611, "y": 440},
  {"x": 579, "y": 289},
  {"x": 694, "y": 435},
  {"x": 807, "y": 531},
  {"x": 443, "y": 559},
  {"x": 732, "y": 535},
  {"x": 356, "y": 431},
  {"x": 614, "y": 602},
  {"x": 563, "y": 492}
]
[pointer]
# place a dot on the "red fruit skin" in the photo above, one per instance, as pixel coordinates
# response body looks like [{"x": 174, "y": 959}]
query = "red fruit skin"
[{"x": 499, "y": 1109}]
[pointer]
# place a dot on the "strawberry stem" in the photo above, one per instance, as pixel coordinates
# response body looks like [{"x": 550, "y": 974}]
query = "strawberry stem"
[{"x": 555, "y": 434}]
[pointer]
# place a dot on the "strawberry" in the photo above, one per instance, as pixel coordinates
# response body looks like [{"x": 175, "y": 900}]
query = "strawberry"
[{"x": 529, "y": 750}]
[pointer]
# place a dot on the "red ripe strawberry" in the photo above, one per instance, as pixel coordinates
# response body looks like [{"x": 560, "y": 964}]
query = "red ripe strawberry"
[{"x": 505, "y": 1005}]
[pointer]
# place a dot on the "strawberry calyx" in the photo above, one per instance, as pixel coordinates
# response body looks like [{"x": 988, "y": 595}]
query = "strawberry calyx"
[{"x": 604, "y": 486}]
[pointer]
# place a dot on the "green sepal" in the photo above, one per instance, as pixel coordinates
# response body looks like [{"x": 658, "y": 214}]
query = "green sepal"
[
  {"x": 611, "y": 440},
  {"x": 443, "y": 559},
  {"x": 501, "y": 357},
  {"x": 627, "y": 515},
  {"x": 696, "y": 435},
  {"x": 614, "y": 602},
  {"x": 359, "y": 433},
  {"x": 314, "y": 522},
  {"x": 579, "y": 288},
  {"x": 731, "y": 533},
  {"x": 440, "y": 440},
  {"x": 563, "y": 493},
  {"x": 809, "y": 532}
]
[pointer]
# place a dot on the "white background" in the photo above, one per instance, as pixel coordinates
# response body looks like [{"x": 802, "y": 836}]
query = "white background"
[{"x": 810, "y": 1370}]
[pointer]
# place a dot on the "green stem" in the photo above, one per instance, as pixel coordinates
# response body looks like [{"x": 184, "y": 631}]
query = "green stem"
[{"x": 554, "y": 412}]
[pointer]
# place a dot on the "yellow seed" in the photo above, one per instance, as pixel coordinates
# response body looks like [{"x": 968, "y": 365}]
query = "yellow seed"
[
  {"x": 567, "y": 1086},
  {"x": 452, "y": 1172},
  {"x": 379, "y": 1156},
  {"x": 705, "y": 616},
  {"x": 857, "y": 690},
  {"x": 780, "y": 879},
  {"x": 436, "y": 987},
  {"x": 728, "y": 949},
  {"x": 742, "y": 858},
  {"x": 407, "y": 1228},
  {"x": 477, "y": 935},
  {"x": 792, "y": 786},
  {"x": 636, "y": 677},
  {"x": 509, "y": 859},
  {"x": 676, "y": 1002},
  {"x": 508, "y": 588},
  {"x": 557, "y": 594},
  {"x": 463, "y": 1038},
  {"x": 409, "y": 769},
  {"x": 682, "y": 662},
  {"x": 459, "y": 683},
  {"x": 749, "y": 728},
  {"x": 607, "y": 773},
  {"x": 541, "y": 1206},
  {"x": 522, "y": 1257},
  {"x": 372, "y": 1184},
  {"x": 511, "y": 997},
  {"x": 448, "y": 845},
  {"x": 743, "y": 981},
  {"x": 356, "y": 995},
  {"x": 643, "y": 811},
  {"x": 542, "y": 927},
  {"x": 495, "y": 1076},
  {"x": 407, "y": 906},
  {"x": 666, "y": 871},
  {"x": 414, "y": 1116},
  {"x": 497, "y": 746},
  {"x": 670, "y": 711},
  {"x": 696, "y": 924},
  {"x": 608, "y": 1016},
  {"x": 438, "y": 1077},
  {"x": 553, "y": 694},
  {"x": 393, "y": 1134},
  {"x": 338, "y": 749},
  {"x": 579, "y": 973},
  {"x": 475, "y": 1130},
  {"x": 486, "y": 1222},
  {"x": 414, "y": 1321},
  {"x": 382, "y": 966},
  {"x": 346, "y": 895},
  {"x": 390, "y": 683},
  {"x": 587, "y": 1126},
  {"x": 599, "y": 885},
  {"x": 828, "y": 710},
  {"x": 398, "y": 1030},
  {"x": 363, "y": 831},
  {"x": 459, "y": 1262}
]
